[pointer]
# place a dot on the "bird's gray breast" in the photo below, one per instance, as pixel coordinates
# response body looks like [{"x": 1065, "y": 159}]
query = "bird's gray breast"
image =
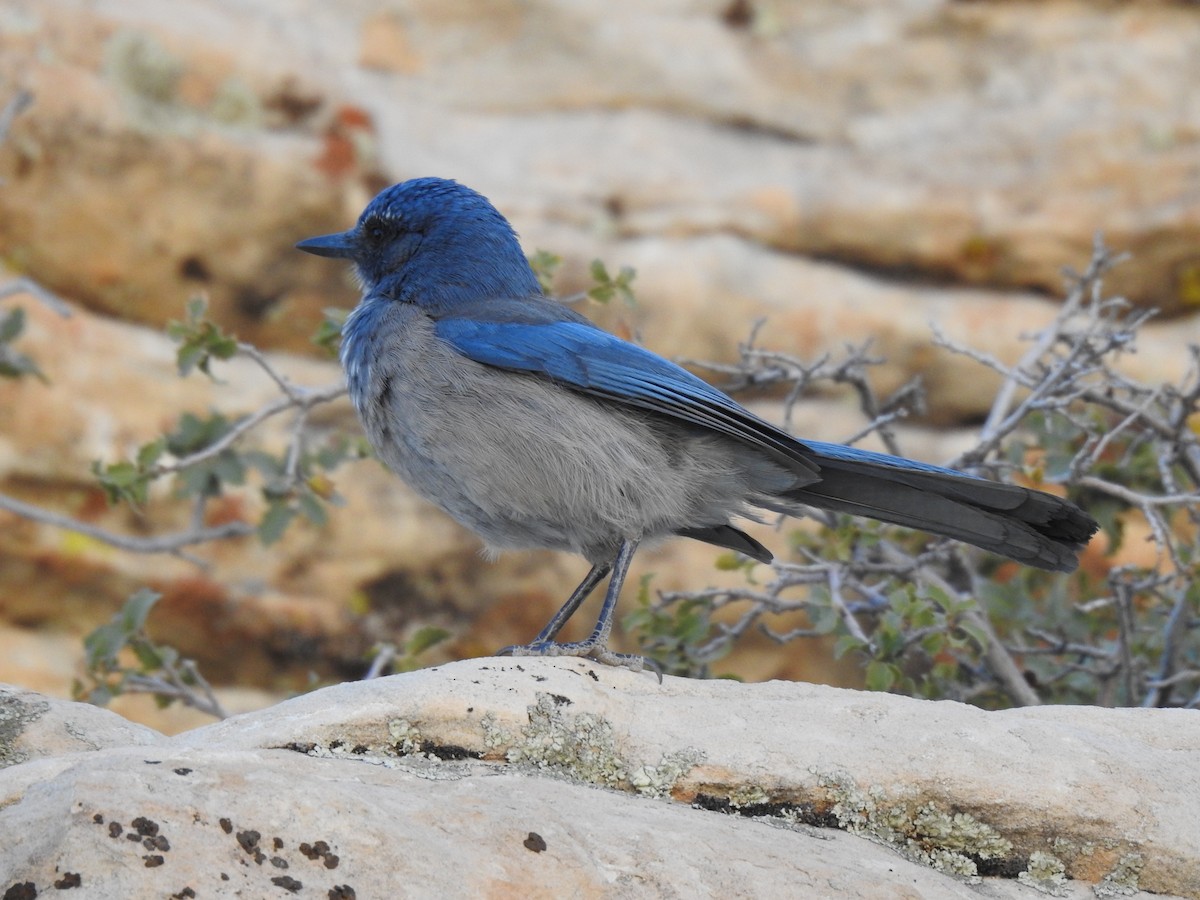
[{"x": 521, "y": 460}]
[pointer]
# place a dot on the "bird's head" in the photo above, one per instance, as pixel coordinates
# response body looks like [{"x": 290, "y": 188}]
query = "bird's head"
[{"x": 433, "y": 242}]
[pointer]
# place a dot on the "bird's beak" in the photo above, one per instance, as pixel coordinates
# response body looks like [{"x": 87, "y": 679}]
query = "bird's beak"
[{"x": 338, "y": 246}]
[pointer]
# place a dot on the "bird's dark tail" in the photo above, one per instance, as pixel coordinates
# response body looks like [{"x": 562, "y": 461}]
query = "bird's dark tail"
[{"x": 1031, "y": 527}]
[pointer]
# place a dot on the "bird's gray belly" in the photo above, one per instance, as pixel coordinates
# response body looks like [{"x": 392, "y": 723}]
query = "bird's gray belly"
[{"x": 527, "y": 463}]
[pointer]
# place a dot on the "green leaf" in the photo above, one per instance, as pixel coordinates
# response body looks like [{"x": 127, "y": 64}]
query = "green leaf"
[
  {"x": 122, "y": 481},
  {"x": 845, "y": 643},
  {"x": 102, "y": 645},
  {"x": 147, "y": 655},
  {"x": 149, "y": 454},
  {"x": 12, "y": 324},
  {"x": 824, "y": 619},
  {"x": 544, "y": 265},
  {"x": 275, "y": 521},
  {"x": 933, "y": 643},
  {"x": 14, "y": 364},
  {"x": 977, "y": 634},
  {"x": 100, "y": 695},
  {"x": 606, "y": 286},
  {"x": 329, "y": 332},
  {"x": 424, "y": 638},
  {"x": 881, "y": 676},
  {"x": 199, "y": 339},
  {"x": 312, "y": 509},
  {"x": 137, "y": 608},
  {"x": 730, "y": 562}
]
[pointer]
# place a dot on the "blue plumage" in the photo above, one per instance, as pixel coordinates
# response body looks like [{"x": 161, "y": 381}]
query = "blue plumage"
[{"x": 535, "y": 428}]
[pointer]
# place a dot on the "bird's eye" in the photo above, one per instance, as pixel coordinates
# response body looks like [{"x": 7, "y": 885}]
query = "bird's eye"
[{"x": 375, "y": 229}]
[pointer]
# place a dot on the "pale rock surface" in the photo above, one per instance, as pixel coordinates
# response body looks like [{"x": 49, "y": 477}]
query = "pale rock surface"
[
  {"x": 549, "y": 778},
  {"x": 184, "y": 150}
]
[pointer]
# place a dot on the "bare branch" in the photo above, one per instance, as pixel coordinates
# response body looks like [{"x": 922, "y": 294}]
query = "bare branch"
[{"x": 162, "y": 543}]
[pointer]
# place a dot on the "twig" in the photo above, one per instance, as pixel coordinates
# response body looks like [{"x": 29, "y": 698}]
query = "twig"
[
  {"x": 305, "y": 398},
  {"x": 25, "y": 285},
  {"x": 163, "y": 543}
]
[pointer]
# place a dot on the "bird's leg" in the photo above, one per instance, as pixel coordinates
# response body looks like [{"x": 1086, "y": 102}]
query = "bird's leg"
[
  {"x": 596, "y": 646},
  {"x": 547, "y": 635},
  {"x": 597, "y": 643},
  {"x": 581, "y": 593}
]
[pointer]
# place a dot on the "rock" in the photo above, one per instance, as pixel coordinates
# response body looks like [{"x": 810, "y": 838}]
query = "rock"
[
  {"x": 161, "y": 198},
  {"x": 942, "y": 141},
  {"x": 564, "y": 778},
  {"x": 34, "y": 727}
]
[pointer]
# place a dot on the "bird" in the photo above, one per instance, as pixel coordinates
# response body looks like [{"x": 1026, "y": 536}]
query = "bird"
[{"x": 535, "y": 428}]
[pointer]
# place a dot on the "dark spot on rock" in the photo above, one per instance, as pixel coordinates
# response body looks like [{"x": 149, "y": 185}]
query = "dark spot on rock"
[
  {"x": 342, "y": 892},
  {"x": 69, "y": 880},
  {"x": 186, "y": 894},
  {"x": 802, "y": 812},
  {"x": 193, "y": 268},
  {"x": 224, "y": 877},
  {"x": 292, "y": 102},
  {"x": 154, "y": 861},
  {"x": 254, "y": 303},
  {"x": 711, "y": 803},
  {"x": 23, "y": 890},
  {"x": 320, "y": 850},
  {"x": 158, "y": 842},
  {"x": 133, "y": 836},
  {"x": 182, "y": 771},
  {"x": 449, "y": 751},
  {"x": 560, "y": 700},
  {"x": 98, "y": 819},
  {"x": 1000, "y": 868},
  {"x": 470, "y": 709},
  {"x": 114, "y": 829},
  {"x": 145, "y": 827},
  {"x": 360, "y": 749},
  {"x": 540, "y": 678},
  {"x": 248, "y": 840},
  {"x": 226, "y": 825},
  {"x": 592, "y": 674},
  {"x": 817, "y": 817},
  {"x": 535, "y": 842},
  {"x": 279, "y": 862},
  {"x": 152, "y": 762},
  {"x": 277, "y": 843},
  {"x": 287, "y": 882},
  {"x": 738, "y": 14}
]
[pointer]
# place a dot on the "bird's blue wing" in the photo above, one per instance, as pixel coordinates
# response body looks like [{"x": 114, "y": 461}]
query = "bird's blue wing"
[{"x": 556, "y": 343}]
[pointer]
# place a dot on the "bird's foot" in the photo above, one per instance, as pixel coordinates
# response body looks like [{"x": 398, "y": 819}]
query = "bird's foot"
[{"x": 586, "y": 649}]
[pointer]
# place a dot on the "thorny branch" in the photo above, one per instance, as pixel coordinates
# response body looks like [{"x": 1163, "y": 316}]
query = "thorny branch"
[{"x": 1128, "y": 449}]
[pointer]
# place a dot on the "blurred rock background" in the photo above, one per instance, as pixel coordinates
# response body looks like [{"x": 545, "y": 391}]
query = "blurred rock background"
[{"x": 847, "y": 170}]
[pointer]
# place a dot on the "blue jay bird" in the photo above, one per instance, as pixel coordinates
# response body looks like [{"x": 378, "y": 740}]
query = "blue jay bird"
[{"x": 534, "y": 428}]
